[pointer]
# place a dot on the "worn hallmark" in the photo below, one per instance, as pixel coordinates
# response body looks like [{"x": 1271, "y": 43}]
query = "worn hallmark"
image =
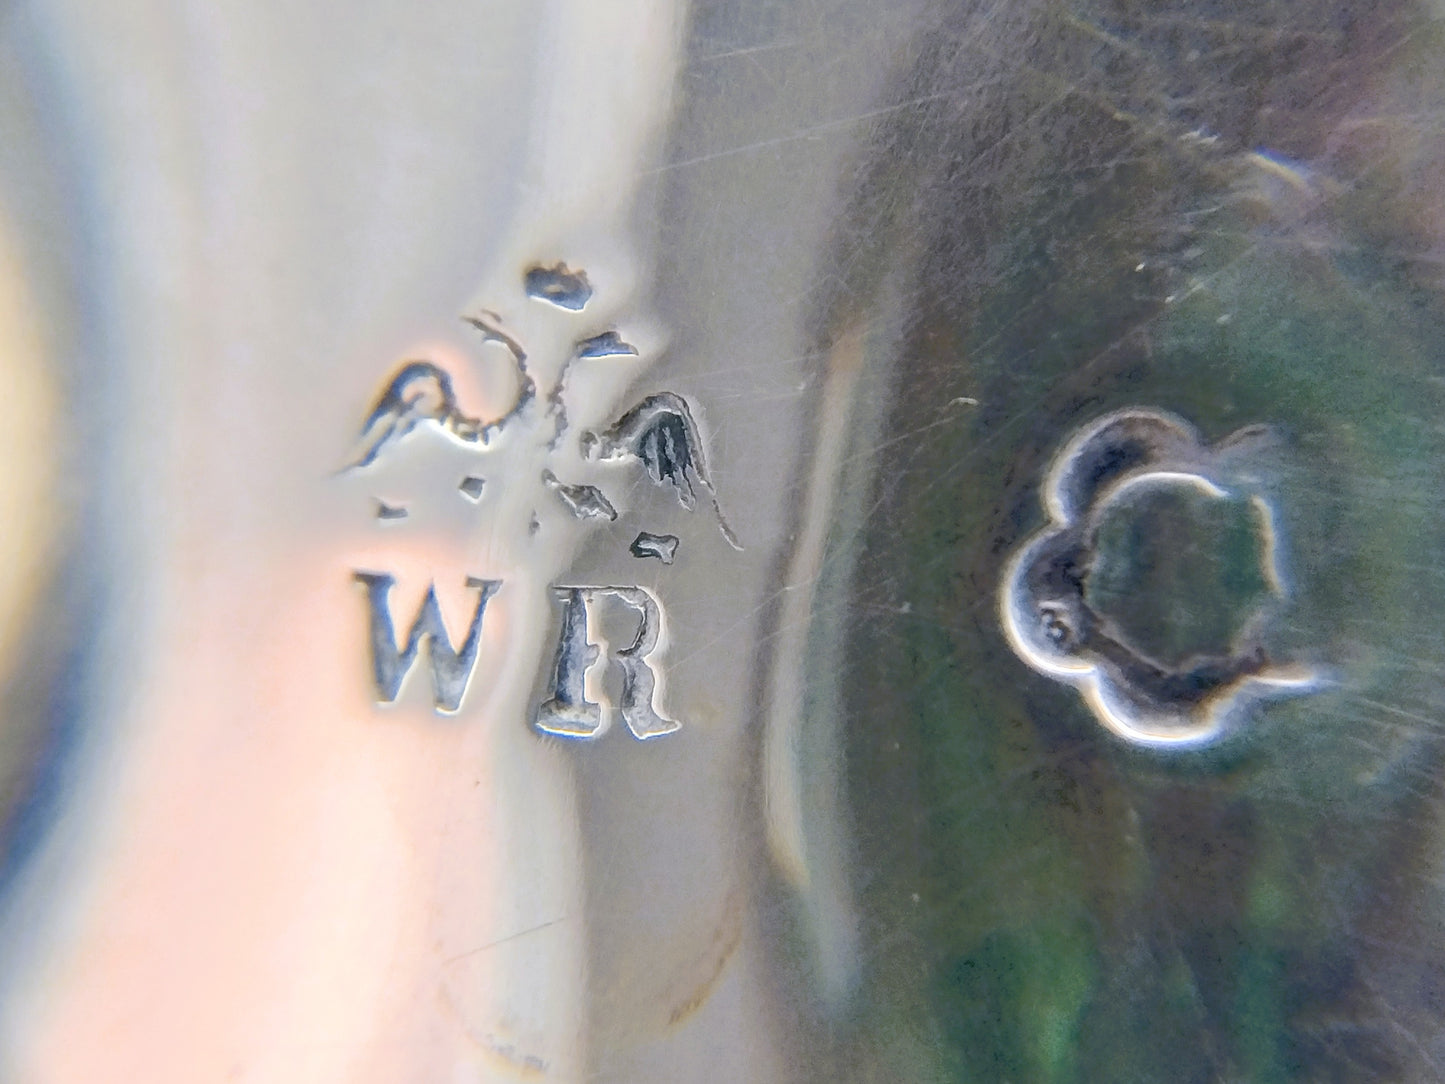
[{"x": 530, "y": 444}]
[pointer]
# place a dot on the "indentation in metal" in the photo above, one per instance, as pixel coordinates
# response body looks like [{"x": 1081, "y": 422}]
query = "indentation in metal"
[
  {"x": 1150, "y": 588},
  {"x": 560, "y": 285},
  {"x": 661, "y": 546}
]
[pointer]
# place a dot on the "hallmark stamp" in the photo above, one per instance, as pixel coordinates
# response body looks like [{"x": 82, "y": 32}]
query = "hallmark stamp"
[
  {"x": 1152, "y": 585},
  {"x": 451, "y": 667},
  {"x": 532, "y": 444},
  {"x": 567, "y": 711}
]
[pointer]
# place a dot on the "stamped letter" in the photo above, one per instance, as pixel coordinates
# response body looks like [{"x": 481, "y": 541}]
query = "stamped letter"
[
  {"x": 451, "y": 668},
  {"x": 567, "y": 711}
]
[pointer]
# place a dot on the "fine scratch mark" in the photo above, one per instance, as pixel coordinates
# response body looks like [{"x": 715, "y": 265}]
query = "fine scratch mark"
[
  {"x": 749, "y": 50},
  {"x": 793, "y": 137},
  {"x": 504, "y": 940}
]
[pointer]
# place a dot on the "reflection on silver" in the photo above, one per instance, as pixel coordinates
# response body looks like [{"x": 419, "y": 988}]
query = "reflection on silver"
[
  {"x": 338, "y": 634},
  {"x": 304, "y": 198}
]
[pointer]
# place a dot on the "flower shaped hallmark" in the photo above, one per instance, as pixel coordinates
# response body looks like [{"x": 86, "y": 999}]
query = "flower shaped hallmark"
[{"x": 1152, "y": 585}]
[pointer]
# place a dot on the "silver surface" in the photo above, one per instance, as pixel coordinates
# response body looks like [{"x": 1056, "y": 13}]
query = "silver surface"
[{"x": 919, "y": 525}]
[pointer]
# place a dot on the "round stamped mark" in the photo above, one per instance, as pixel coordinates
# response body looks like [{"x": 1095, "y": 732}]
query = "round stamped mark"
[{"x": 1151, "y": 587}]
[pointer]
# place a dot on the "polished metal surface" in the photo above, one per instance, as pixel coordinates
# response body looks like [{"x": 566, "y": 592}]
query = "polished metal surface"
[{"x": 654, "y": 541}]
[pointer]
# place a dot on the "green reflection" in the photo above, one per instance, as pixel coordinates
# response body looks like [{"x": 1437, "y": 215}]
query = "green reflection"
[
  {"x": 1179, "y": 571},
  {"x": 1265, "y": 910}
]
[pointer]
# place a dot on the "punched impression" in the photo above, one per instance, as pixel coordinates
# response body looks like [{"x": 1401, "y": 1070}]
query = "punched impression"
[{"x": 1154, "y": 582}]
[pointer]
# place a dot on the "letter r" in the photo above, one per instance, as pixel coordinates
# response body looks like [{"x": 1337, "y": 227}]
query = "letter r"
[{"x": 567, "y": 712}]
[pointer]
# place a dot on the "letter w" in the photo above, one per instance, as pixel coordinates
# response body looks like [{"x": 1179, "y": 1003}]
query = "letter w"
[{"x": 451, "y": 668}]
